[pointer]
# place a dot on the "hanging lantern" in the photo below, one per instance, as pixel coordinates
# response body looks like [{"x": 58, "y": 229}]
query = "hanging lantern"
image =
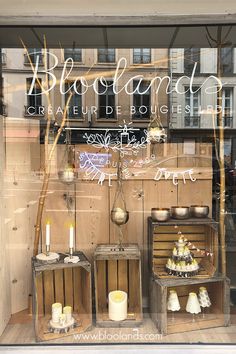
[
  {"x": 156, "y": 133},
  {"x": 67, "y": 173}
]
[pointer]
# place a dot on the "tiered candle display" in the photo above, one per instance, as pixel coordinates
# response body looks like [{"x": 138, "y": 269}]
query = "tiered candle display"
[
  {"x": 182, "y": 263},
  {"x": 117, "y": 305}
]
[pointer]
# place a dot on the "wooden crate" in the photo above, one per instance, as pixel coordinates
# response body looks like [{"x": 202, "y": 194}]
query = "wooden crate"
[
  {"x": 69, "y": 284},
  {"x": 118, "y": 270},
  {"x": 202, "y": 233},
  {"x": 217, "y": 315}
]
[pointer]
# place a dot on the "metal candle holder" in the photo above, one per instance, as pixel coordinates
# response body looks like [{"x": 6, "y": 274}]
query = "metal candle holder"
[
  {"x": 71, "y": 251},
  {"x": 47, "y": 250},
  {"x": 71, "y": 258}
]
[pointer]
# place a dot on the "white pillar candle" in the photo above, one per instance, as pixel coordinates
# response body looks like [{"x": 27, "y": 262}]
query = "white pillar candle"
[
  {"x": 67, "y": 310},
  {"x": 56, "y": 312},
  {"x": 71, "y": 241},
  {"x": 117, "y": 305},
  {"x": 47, "y": 234}
]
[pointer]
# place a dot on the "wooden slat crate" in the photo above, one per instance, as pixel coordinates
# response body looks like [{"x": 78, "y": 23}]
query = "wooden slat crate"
[
  {"x": 118, "y": 270},
  {"x": 201, "y": 233},
  {"x": 69, "y": 284},
  {"x": 217, "y": 315}
]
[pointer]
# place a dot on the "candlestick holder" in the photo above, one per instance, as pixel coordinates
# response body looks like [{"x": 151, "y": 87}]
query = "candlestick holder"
[
  {"x": 47, "y": 250},
  {"x": 48, "y": 257},
  {"x": 71, "y": 258}
]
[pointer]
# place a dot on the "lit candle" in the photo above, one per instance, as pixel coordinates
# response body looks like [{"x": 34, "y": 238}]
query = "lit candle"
[
  {"x": 71, "y": 241},
  {"x": 117, "y": 305},
  {"x": 48, "y": 234}
]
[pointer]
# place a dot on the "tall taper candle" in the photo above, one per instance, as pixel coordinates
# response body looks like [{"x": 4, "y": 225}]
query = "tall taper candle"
[
  {"x": 71, "y": 242},
  {"x": 48, "y": 234}
]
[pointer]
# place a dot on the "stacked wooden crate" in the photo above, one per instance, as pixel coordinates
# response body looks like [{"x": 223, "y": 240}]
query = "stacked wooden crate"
[
  {"x": 68, "y": 284},
  {"x": 118, "y": 269},
  {"x": 202, "y": 235}
]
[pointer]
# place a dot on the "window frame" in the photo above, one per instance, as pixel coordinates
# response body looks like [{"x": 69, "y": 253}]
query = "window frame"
[
  {"x": 107, "y": 62},
  {"x": 141, "y": 56},
  {"x": 190, "y": 115},
  {"x": 140, "y": 119}
]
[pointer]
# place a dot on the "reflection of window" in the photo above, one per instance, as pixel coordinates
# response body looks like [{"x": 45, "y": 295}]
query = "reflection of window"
[
  {"x": 106, "y": 55},
  {"x": 141, "y": 55},
  {"x": 75, "y": 54},
  {"x": 192, "y": 103},
  {"x": 75, "y": 104},
  {"x": 191, "y": 56},
  {"x": 142, "y": 99},
  {"x": 227, "y": 106},
  {"x": 226, "y": 56},
  {"x": 34, "y": 100},
  {"x": 106, "y": 100},
  {"x": 3, "y": 58},
  {"x": 34, "y": 55}
]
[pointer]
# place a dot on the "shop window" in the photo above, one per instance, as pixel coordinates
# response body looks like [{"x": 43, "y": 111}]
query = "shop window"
[
  {"x": 191, "y": 56},
  {"x": 227, "y": 106},
  {"x": 226, "y": 56},
  {"x": 75, "y": 104},
  {"x": 106, "y": 100},
  {"x": 141, "y": 100},
  {"x": 141, "y": 55},
  {"x": 34, "y": 100},
  {"x": 192, "y": 103},
  {"x": 74, "y": 53},
  {"x": 106, "y": 55},
  {"x": 33, "y": 56}
]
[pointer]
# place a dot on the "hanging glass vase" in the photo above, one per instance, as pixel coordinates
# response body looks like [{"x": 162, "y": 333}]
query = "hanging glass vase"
[{"x": 119, "y": 212}]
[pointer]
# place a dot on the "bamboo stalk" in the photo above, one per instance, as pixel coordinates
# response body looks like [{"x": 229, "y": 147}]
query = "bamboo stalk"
[{"x": 221, "y": 155}]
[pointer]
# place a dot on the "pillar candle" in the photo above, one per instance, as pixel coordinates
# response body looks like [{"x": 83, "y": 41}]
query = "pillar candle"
[
  {"x": 71, "y": 241},
  {"x": 47, "y": 234},
  {"x": 117, "y": 305},
  {"x": 56, "y": 311},
  {"x": 67, "y": 310}
]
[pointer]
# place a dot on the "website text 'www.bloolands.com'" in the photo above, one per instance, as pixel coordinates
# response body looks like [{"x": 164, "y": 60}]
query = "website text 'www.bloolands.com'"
[{"x": 118, "y": 336}]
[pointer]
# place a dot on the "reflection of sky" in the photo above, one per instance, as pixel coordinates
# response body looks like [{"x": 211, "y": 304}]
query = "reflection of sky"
[{"x": 98, "y": 160}]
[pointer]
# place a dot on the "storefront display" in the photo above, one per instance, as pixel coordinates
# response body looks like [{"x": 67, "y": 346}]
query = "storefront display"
[{"x": 116, "y": 191}]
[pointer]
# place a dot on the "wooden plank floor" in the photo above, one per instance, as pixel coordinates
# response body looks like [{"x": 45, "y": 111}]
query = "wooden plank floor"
[{"x": 23, "y": 332}]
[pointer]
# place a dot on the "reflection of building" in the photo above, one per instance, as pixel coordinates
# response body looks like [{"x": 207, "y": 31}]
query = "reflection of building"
[
  {"x": 101, "y": 109},
  {"x": 193, "y": 111},
  {"x": 17, "y": 78}
]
